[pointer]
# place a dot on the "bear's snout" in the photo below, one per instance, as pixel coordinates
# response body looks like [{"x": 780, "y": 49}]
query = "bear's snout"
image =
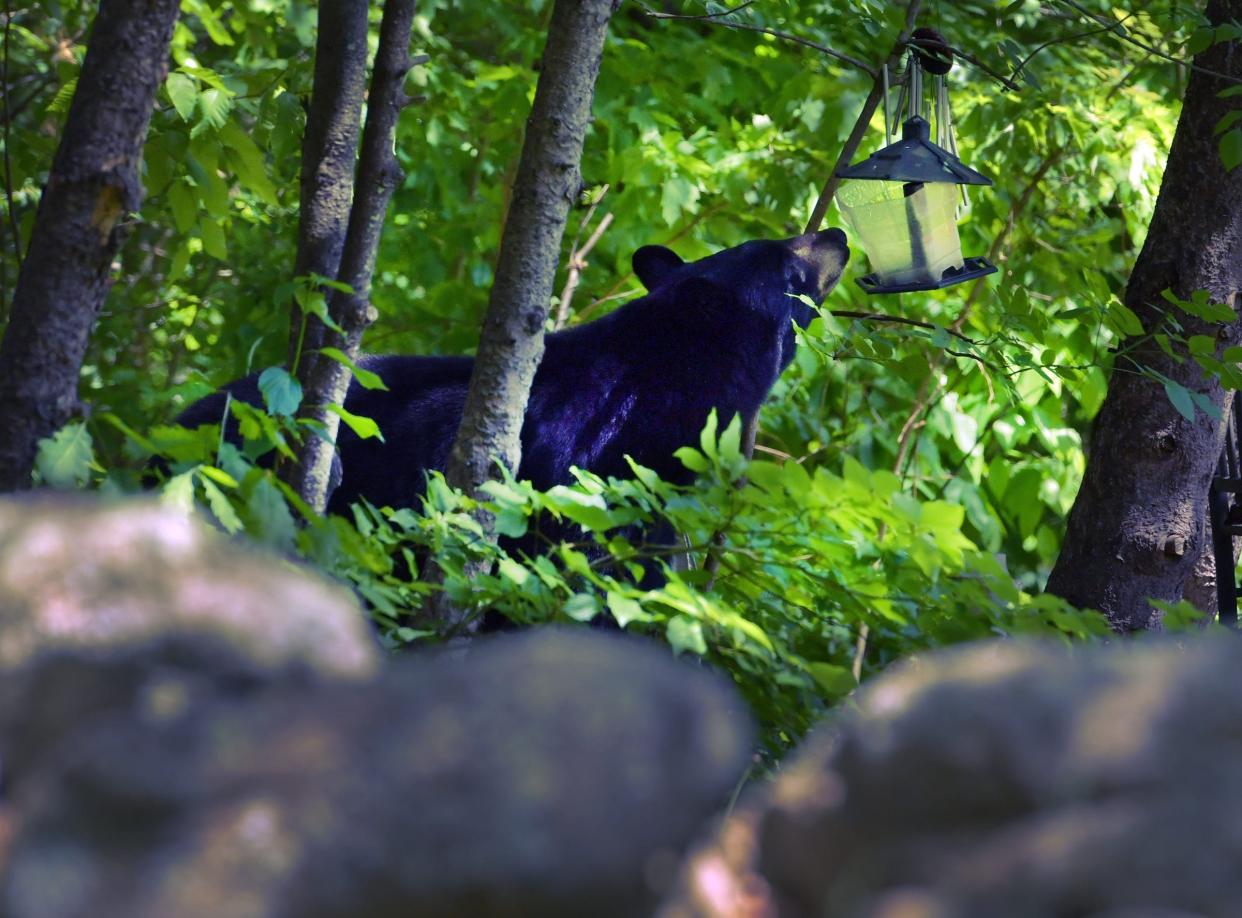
[{"x": 828, "y": 252}]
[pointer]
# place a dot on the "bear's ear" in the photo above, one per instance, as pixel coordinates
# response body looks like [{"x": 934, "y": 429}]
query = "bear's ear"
[{"x": 653, "y": 263}]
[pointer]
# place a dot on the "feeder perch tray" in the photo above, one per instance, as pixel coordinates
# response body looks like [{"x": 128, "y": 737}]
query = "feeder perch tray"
[{"x": 973, "y": 267}]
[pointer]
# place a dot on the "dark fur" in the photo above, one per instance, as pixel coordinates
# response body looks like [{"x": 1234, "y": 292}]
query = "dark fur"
[{"x": 714, "y": 333}]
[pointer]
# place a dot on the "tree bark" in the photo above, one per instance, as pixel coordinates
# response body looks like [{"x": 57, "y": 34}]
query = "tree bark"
[
  {"x": 378, "y": 174},
  {"x": 1137, "y": 528},
  {"x": 92, "y": 185},
  {"x": 329, "y": 150},
  {"x": 546, "y": 185}
]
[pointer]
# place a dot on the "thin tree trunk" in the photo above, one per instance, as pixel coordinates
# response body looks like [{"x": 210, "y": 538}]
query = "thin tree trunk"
[
  {"x": 546, "y": 185},
  {"x": 93, "y": 184},
  {"x": 329, "y": 149},
  {"x": 1137, "y": 528},
  {"x": 378, "y": 175}
]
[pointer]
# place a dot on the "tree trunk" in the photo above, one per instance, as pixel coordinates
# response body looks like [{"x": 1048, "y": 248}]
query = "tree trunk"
[
  {"x": 546, "y": 185},
  {"x": 1137, "y": 528},
  {"x": 329, "y": 149},
  {"x": 92, "y": 185},
  {"x": 378, "y": 174}
]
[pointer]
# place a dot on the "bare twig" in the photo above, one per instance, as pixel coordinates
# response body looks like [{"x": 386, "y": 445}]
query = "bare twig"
[
  {"x": 577, "y": 260},
  {"x": 1015, "y": 211},
  {"x": 900, "y": 320},
  {"x": 784, "y": 36},
  {"x": 1063, "y": 40},
  {"x": 864, "y": 121},
  {"x": 942, "y": 48},
  {"x": 860, "y": 651},
  {"x": 615, "y": 292},
  {"x": 1114, "y": 26},
  {"x": 719, "y": 15}
]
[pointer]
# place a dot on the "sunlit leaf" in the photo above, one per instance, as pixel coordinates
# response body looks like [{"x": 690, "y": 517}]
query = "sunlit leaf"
[{"x": 64, "y": 459}]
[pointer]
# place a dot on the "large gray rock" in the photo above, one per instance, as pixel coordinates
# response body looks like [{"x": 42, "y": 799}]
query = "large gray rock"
[
  {"x": 1008, "y": 779},
  {"x": 126, "y": 605},
  {"x": 544, "y": 774},
  {"x": 93, "y": 577}
]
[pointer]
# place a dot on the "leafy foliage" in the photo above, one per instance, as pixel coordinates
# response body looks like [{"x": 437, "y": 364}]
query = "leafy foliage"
[{"x": 910, "y": 478}]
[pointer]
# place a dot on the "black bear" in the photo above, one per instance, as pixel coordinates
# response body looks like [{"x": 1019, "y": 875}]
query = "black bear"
[{"x": 713, "y": 333}]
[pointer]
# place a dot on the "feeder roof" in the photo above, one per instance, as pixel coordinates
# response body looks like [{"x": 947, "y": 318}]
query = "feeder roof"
[{"x": 914, "y": 158}]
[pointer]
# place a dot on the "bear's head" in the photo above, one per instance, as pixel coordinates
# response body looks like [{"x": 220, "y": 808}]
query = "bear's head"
[{"x": 767, "y": 274}]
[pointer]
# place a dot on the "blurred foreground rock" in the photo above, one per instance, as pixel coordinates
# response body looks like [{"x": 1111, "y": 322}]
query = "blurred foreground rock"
[
  {"x": 126, "y": 604},
  {"x": 1004, "y": 781},
  {"x": 546, "y": 774},
  {"x": 94, "y": 577},
  {"x": 191, "y": 730}
]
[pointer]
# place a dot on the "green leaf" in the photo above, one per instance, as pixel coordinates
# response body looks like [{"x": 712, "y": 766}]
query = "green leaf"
[
  {"x": 210, "y": 19},
  {"x": 1206, "y": 405},
  {"x": 183, "y": 93},
  {"x": 692, "y": 459},
  {"x": 1200, "y": 40},
  {"x": 220, "y": 507},
  {"x": 218, "y": 475},
  {"x": 314, "y": 302},
  {"x": 1228, "y": 120},
  {"x": 512, "y": 571},
  {"x": 730, "y": 442},
  {"x": 64, "y": 459},
  {"x": 183, "y": 205},
  {"x": 282, "y": 393},
  {"x": 581, "y": 607},
  {"x": 215, "y": 105},
  {"x": 213, "y": 239},
  {"x": 512, "y": 522},
  {"x": 248, "y": 161},
  {"x": 626, "y": 610},
  {"x": 178, "y": 492},
  {"x": 64, "y": 96},
  {"x": 965, "y": 430},
  {"x": 685, "y": 634},
  {"x": 365, "y": 428},
  {"x": 1125, "y": 320},
  {"x": 835, "y": 681},
  {"x": 366, "y": 378},
  {"x": 1201, "y": 344},
  {"x": 180, "y": 261},
  {"x": 1231, "y": 149},
  {"x": 1179, "y": 395},
  {"x": 267, "y": 516}
]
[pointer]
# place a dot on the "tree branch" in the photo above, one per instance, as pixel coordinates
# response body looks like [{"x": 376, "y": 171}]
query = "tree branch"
[
  {"x": 863, "y": 122},
  {"x": 378, "y": 176},
  {"x": 577, "y": 260},
  {"x": 942, "y": 48},
  {"x": 714, "y": 19},
  {"x": 92, "y": 185},
  {"x": 901, "y": 320},
  {"x": 547, "y": 182},
  {"x": 1115, "y": 28},
  {"x": 329, "y": 150}
]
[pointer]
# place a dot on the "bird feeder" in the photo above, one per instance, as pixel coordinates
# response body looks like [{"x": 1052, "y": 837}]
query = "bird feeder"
[{"x": 903, "y": 201}]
